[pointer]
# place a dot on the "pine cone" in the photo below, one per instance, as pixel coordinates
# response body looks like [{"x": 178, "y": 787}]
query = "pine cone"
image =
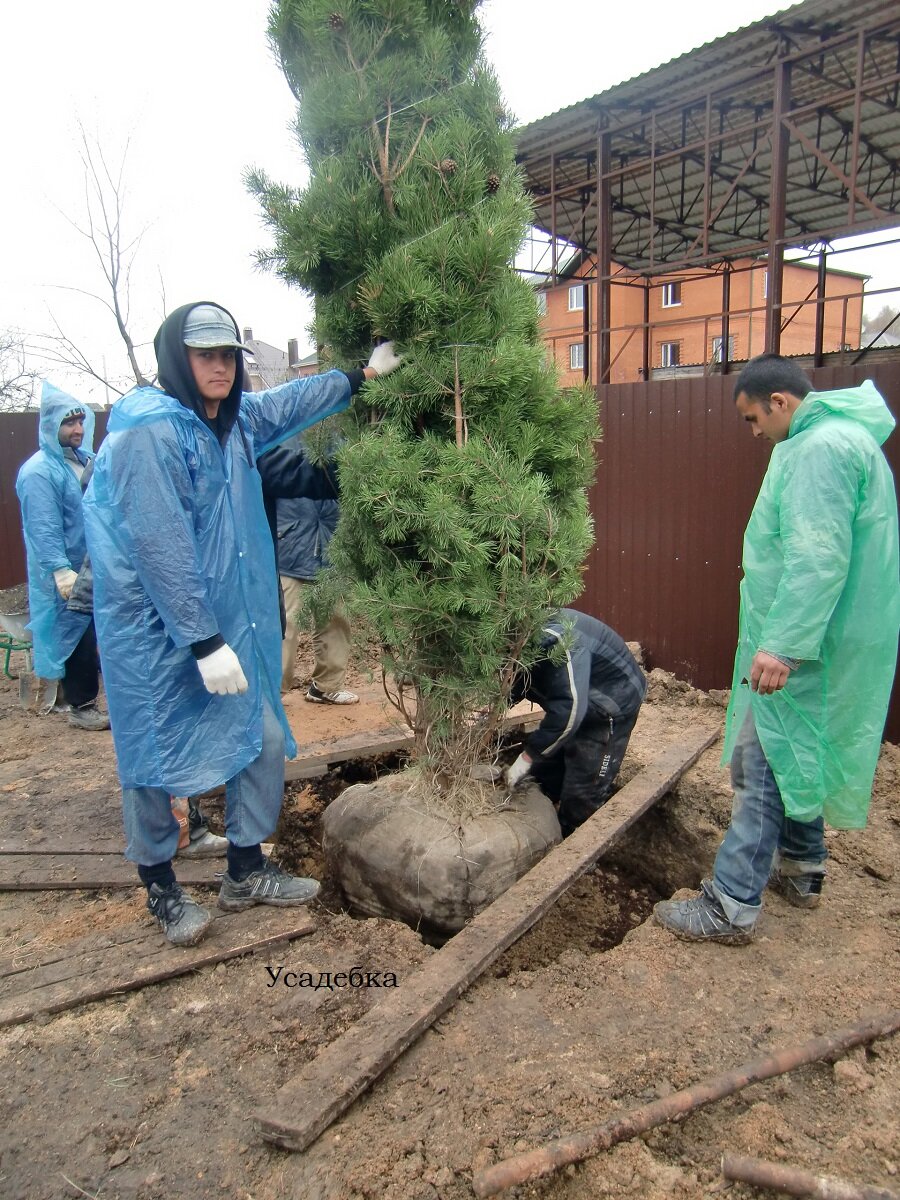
[
  {"x": 335, "y": 21},
  {"x": 448, "y": 166},
  {"x": 493, "y": 182}
]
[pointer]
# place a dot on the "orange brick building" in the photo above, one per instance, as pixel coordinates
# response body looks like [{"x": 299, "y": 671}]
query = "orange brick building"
[{"x": 683, "y": 316}]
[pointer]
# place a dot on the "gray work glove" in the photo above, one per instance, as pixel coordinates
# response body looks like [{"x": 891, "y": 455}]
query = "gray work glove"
[{"x": 383, "y": 359}]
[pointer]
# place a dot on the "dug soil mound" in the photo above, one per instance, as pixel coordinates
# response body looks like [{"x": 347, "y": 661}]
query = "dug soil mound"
[{"x": 595, "y": 1011}]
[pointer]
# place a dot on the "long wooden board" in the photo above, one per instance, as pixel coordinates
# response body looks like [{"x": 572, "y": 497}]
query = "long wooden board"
[
  {"x": 99, "y": 966},
  {"x": 303, "y": 1108},
  {"x": 40, "y": 872}
]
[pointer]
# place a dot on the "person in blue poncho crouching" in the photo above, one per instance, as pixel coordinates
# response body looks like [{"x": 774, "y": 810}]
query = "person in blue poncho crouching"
[{"x": 186, "y": 604}]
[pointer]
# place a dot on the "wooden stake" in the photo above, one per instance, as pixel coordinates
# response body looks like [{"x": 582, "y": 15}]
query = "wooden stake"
[
  {"x": 553, "y": 1156},
  {"x": 324, "y": 1088},
  {"x": 798, "y": 1183}
]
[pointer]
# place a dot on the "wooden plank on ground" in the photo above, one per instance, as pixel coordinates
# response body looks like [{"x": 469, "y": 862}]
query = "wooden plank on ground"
[
  {"x": 93, "y": 968},
  {"x": 325, "y": 1087},
  {"x": 40, "y": 872}
]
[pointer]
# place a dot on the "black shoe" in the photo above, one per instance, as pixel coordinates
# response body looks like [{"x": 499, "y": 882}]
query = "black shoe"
[
  {"x": 268, "y": 885},
  {"x": 180, "y": 918}
]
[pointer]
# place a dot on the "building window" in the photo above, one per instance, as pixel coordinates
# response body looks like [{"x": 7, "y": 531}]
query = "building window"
[
  {"x": 576, "y": 298},
  {"x": 671, "y": 295},
  {"x": 765, "y": 283},
  {"x": 717, "y": 349},
  {"x": 541, "y": 303},
  {"x": 669, "y": 354},
  {"x": 576, "y": 356}
]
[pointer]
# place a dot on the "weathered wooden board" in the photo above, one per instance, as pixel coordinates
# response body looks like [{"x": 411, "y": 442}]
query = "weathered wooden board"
[
  {"x": 325, "y": 1087},
  {"x": 40, "y": 871},
  {"x": 104, "y": 965}
]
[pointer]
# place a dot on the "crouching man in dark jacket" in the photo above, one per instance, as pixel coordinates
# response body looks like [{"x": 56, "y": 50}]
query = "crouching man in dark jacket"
[{"x": 591, "y": 698}]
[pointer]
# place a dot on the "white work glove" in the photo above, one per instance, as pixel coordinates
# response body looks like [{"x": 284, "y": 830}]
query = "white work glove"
[
  {"x": 64, "y": 578},
  {"x": 517, "y": 770},
  {"x": 221, "y": 672},
  {"x": 383, "y": 359}
]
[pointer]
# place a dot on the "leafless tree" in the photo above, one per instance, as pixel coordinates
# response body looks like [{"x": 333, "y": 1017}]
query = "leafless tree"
[
  {"x": 102, "y": 225},
  {"x": 16, "y": 379}
]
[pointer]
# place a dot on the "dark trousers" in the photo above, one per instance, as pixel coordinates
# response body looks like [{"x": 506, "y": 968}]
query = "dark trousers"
[
  {"x": 580, "y": 779},
  {"x": 81, "y": 681}
]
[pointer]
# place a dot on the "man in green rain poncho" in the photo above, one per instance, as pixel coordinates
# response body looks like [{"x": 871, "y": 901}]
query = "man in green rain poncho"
[{"x": 820, "y": 612}]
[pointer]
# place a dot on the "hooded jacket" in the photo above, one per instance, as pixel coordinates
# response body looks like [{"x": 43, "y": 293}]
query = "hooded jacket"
[
  {"x": 183, "y": 561},
  {"x": 598, "y": 675},
  {"x": 821, "y": 585},
  {"x": 50, "y": 496}
]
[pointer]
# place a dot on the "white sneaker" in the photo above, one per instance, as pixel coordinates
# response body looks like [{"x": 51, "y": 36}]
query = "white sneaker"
[{"x": 208, "y": 845}]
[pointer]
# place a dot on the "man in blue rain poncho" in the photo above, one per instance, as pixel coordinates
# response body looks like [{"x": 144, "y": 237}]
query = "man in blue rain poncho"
[
  {"x": 820, "y": 612},
  {"x": 49, "y": 490},
  {"x": 186, "y": 604}
]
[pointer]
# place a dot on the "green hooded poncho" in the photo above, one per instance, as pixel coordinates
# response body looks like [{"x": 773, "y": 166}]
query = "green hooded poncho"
[{"x": 821, "y": 584}]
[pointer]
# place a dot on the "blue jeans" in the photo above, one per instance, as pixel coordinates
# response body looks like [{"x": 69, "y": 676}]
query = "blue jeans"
[
  {"x": 760, "y": 834},
  {"x": 253, "y": 800}
]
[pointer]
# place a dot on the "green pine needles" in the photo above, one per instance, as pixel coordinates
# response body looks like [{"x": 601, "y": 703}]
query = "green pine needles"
[{"x": 463, "y": 505}]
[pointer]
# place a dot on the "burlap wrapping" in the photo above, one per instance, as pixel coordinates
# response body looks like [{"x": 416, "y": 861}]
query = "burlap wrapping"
[{"x": 393, "y": 859}]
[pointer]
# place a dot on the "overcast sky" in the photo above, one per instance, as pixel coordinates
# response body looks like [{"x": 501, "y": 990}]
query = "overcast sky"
[{"x": 193, "y": 88}]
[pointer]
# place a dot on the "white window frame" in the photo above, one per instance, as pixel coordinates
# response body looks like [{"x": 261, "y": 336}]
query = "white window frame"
[
  {"x": 717, "y": 348},
  {"x": 671, "y": 294},
  {"x": 666, "y": 357},
  {"x": 541, "y": 303},
  {"x": 576, "y": 297},
  {"x": 765, "y": 283},
  {"x": 576, "y": 356}
]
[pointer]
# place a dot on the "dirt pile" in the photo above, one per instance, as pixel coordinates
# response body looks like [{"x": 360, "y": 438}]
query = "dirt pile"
[{"x": 149, "y": 1095}]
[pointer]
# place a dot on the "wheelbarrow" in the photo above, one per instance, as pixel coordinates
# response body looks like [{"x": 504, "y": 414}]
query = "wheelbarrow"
[{"x": 16, "y": 639}]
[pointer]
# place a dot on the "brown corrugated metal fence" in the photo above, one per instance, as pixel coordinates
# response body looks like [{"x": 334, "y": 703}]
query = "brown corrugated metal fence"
[
  {"x": 678, "y": 475},
  {"x": 677, "y": 478}
]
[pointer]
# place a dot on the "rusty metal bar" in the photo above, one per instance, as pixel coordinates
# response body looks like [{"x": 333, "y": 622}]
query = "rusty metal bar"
[
  {"x": 537, "y": 1163},
  {"x": 857, "y": 119},
  {"x": 796, "y": 1182},
  {"x": 554, "y": 263},
  {"x": 645, "y": 357},
  {"x": 821, "y": 281},
  {"x": 881, "y": 213},
  {"x": 604, "y": 258},
  {"x": 777, "y": 206},
  {"x": 726, "y": 317}
]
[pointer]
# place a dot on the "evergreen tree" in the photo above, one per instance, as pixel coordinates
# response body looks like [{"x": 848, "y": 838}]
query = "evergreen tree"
[{"x": 464, "y": 513}]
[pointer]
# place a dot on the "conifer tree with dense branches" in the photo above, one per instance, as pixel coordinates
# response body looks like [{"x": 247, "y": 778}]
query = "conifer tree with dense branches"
[{"x": 463, "y": 503}]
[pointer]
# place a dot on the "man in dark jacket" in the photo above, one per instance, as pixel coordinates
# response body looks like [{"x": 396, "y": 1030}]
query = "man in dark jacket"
[
  {"x": 591, "y": 691},
  {"x": 307, "y": 518}
]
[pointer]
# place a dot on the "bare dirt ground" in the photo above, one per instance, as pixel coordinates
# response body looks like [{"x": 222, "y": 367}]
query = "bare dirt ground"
[{"x": 594, "y": 1012}]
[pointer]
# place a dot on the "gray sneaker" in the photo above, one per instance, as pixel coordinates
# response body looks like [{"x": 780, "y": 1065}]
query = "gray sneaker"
[
  {"x": 268, "y": 885},
  {"x": 701, "y": 919},
  {"x": 88, "y": 717},
  {"x": 803, "y": 891},
  {"x": 180, "y": 918},
  {"x": 315, "y": 695},
  {"x": 207, "y": 845}
]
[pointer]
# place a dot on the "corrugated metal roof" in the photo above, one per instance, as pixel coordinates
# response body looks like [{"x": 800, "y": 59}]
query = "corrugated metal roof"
[{"x": 666, "y": 108}]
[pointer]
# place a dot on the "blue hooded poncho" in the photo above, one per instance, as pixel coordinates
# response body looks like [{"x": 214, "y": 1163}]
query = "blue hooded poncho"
[
  {"x": 181, "y": 553},
  {"x": 821, "y": 585},
  {"x": 50, "y": 495}
]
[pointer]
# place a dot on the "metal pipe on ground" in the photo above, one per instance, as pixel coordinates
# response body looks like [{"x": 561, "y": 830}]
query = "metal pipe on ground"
[
  {"x": 557, "y": 1154},
  {"x": 795, "y": 1182}
]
